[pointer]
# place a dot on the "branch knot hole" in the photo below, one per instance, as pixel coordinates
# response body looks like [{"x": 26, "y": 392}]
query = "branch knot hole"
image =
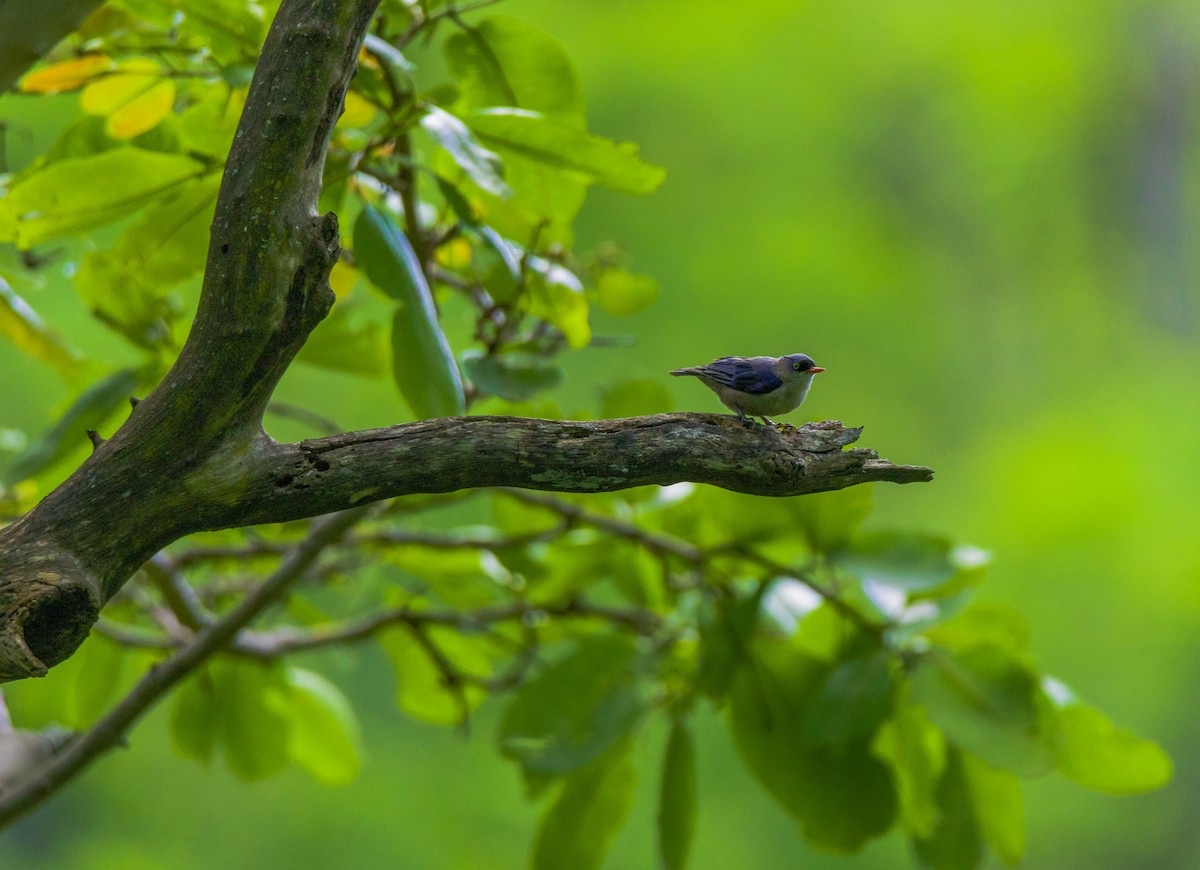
[{"x": 58, "y": 623}]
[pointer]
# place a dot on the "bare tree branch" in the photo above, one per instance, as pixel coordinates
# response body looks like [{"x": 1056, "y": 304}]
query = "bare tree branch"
[{"x": 291, "y": 481}]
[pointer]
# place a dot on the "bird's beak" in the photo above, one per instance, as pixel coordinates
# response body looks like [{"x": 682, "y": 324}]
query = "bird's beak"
[{"x": 816, "y": 369}]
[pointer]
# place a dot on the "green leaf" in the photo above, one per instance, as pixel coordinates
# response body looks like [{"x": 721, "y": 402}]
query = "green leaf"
[
  {"x": 31, "y": 336},
  {"x": 544, "y": 203},
  {"x": 423, "y": 366},
  {"x": 514, "y": 376},
  {"x": 89, "y": 411},
  {"x": 575, "y": 709},
  {"x": 254, "y": 733},
  {"x": 556, "y": 295},
  {"x": 1096, "y": 753},
  {"x": 622, "y": 293},
  {"x": 194, "y": 727},
  {"x": 999, "y": 809},
  {"x": 458, "y": 203},
  {"x": 421, "y": 690},
  {"x": 100, "y": 673},
  {"x": 828, "y": 519},
  {"x": 504, "y": 281},
  {"x": 62, "y": 198},
  {"x": 589, "y": 158},
  {"x": 918, "y": 565},
  {"x": 505, "y": 61},
  {"x": 207, "y": 126},
  {"x": 916, "y": 752},
  {"x": 341, "y": 345},
  {"x": 462, "y": 578},
  {"x": 481, "y": 165},
  {"x": 983, "y": 623},
  {"x": 852, "y": 702},
  {"x": 726, "y": 627},
  {"x": 677, "y": 797},
  {"x": 955, "y": 843},
  {"x": 712, "y": 517},
  {"x": 230, "y": 29},
  {"x": 324, "y": 736},
  {"x": 422, "y": 361},
  {"x": 841, "y": 799},
  {"x": 77, "y": 692},
  {"x": 989, "y": 702},
  {"x": 234, "y": 703},
  {"x": 578, "y": 828},
  {"x": 387, "y": 258},
  {"x": 87, "y": 136},
  {"x": 127, "y": 286}
]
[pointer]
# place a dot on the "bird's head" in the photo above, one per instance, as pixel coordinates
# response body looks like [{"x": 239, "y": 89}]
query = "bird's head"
[{"x": 796, "y": 365}]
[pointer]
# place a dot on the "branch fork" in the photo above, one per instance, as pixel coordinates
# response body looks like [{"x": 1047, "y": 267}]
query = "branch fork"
[{"x": 193, "y": 455}]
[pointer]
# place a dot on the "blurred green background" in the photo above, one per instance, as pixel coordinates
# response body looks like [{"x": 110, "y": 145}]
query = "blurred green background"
[{"x": 980, "y": 219}]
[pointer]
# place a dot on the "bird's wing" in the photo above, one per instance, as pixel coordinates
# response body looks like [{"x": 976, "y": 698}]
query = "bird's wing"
[{"x": 742, "y": 375}]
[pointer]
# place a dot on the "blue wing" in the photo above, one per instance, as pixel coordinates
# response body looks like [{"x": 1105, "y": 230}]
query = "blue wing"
[{"x": 742, "y": 375}]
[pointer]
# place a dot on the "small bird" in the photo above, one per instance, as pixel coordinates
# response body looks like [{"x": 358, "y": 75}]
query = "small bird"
[{"x": 758, "y": 385}]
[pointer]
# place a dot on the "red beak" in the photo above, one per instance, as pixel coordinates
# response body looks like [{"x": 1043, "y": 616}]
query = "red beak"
[{"x": 816, "y": 369}]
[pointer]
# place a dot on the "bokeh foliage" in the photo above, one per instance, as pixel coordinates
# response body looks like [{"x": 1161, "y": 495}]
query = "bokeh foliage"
[{"x": 903, "y": 704}]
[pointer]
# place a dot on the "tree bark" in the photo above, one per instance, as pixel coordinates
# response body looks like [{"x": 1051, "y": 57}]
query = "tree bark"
[{"x": 193, "y": 455}]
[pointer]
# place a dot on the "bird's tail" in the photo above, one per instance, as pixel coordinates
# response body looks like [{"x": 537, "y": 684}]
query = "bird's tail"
[{"x": 691, "y": 371}]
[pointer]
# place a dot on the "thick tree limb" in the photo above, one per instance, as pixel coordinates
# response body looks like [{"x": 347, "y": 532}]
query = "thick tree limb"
[
  {"x": 288, "y": 481},
  {"x": 193, "y": 456},
  {"x": 265, "y": 288},
  {"x": 22, "y": 795}
]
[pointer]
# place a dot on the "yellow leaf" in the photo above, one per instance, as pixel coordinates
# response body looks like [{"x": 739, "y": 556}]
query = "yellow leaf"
[
  {"x": 135, "y": 99},
  {"x": 455, "y": 254},
  {"x": 342, "y": 279},
  {"x": 21, "y": 324},
  {"x": 365, "y": 58},
  {"x": 358, "y": 111},
  {"x": 66, "y": 76}
]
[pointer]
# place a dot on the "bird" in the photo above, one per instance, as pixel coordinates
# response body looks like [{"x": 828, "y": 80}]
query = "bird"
[{"x": 757, "y": 385}]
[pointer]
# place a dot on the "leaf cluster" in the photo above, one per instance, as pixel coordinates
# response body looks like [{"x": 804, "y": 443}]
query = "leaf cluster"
[
  {"x": 456, "y": 200},
  {"x": 860, "y": 683}
]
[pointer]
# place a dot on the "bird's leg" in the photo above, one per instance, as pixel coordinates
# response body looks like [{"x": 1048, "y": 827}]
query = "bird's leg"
[
  {"x": 745, "y": 420},
  {"x": 768, "y": 422}
]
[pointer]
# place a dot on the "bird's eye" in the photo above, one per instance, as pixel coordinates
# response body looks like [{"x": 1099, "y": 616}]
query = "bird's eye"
[{"x": 796, "y": 366}]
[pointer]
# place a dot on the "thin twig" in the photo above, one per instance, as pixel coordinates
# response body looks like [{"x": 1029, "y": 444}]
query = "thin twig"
[
  {"x": 398, "y": 538},
  {"x": 285, "y": 641},
  {"x": 178, "y": 595},
  {"x": 254, "y": 548},
  {"x": 830, "y": 596},
  {"x": 453, "y": 680},
  {"x": 109, "y": 731},
  {"x": 300, "y": 414},
  {"x": 650, "y": 540}
]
